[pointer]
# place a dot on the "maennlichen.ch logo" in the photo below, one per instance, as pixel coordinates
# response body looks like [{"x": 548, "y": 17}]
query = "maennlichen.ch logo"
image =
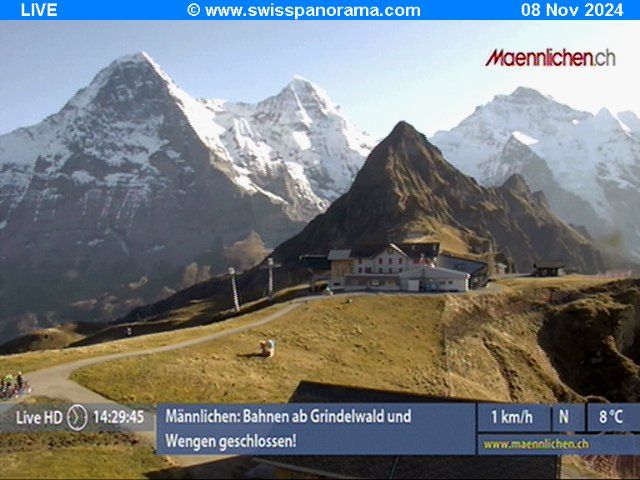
[{"x": 551, "y": 58}]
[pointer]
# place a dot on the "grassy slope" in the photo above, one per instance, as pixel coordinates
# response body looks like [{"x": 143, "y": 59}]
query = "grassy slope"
[
  {"x": 194, "y": 313},
  {"x": 395, "y": 342},
  {"x": 481, "y": 346},
  {"x": 524, "y": 284},
  {"x": 493, "y": 352},
  {"x": 60, "y": 455},
  {"x": 28, "y": 362},
  {"x": 493, "y": 340},
  {"x": 385, "y": 342}
]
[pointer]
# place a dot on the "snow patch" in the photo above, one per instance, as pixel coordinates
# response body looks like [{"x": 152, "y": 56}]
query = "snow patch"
[
  {"x": 302, "y": 139},
  {"x": 524, "y": 138}
]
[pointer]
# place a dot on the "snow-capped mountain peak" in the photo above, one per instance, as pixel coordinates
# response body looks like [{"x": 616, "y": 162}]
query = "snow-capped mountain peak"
[
  {"x": 605, "y": 118},
  {"x": 590, "y": 158},
  {"x": 299, "y": 132},
  {"x": 607, "y": 121},
  {"x": 135, "y": 177},
  {"x": 128, "y": 74},
  {"x": 295, "y": 147},
  {"x": 309, "y": 95},
  {"x": 526, "y": 94}
]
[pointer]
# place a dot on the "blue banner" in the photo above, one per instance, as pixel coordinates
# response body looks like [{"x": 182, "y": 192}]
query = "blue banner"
[
  {"x": 320, "y": 10},
  {"x": 316, "y": 429},
  {"x": 396, "y": 429}
]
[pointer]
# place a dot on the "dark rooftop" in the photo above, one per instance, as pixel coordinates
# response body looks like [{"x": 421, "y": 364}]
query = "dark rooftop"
[
  {"x": 414, "y": 250},
  {"x": 366, "y": 250},
  {"x": 461, "y": 264},
  {"x": 552, "y": 264},
  {"x": 318, "y": 392},
  {"x": 410, "y": 467}
]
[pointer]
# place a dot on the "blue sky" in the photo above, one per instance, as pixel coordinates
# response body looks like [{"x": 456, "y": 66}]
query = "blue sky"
[{"x": 431, "y": 74}]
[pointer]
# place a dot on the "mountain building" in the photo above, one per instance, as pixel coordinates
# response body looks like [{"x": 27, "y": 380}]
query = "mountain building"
[
  {"x": 549, "y": 268},
  {"x": 412, "y": 267}
]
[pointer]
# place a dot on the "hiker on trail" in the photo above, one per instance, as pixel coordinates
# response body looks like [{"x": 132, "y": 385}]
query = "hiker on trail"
[
  {"x": 20, "y": 381},
  {"x": 7, "y": 386}
]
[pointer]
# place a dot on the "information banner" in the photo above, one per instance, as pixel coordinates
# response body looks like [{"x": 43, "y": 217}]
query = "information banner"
[
  {"x": 396, "y": 429},
  {"x": 317, "y": 429},
  {"x": 320, "y": 10}
]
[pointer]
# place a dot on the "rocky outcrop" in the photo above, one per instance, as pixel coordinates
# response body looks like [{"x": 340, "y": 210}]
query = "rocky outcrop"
[{"x": 593, "y": 342}]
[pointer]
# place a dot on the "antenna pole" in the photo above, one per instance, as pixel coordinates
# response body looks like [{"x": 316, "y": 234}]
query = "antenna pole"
[
  {"x": 234, "y": 289},
  {"x": 270, "y": 266}
]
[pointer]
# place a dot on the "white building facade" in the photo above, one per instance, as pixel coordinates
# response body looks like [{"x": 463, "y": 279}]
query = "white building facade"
[
  {"x": 389, "y": 268},
  {"x": 389, "y": 261}
]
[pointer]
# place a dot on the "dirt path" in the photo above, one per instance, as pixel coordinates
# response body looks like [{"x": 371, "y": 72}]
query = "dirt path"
[
  {"x": 45, "y": 382},
  {"x": 55, "y": 382}
]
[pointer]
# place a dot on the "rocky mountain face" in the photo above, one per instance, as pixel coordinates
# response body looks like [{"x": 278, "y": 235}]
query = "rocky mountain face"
[
  {"x": 587, "y": 165},
  {"x": 518, "y": 158},
  {"x": 135, "y": 187},
  {"x": 299, "y": 134},
  {"x": 406, "y": 186}
]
